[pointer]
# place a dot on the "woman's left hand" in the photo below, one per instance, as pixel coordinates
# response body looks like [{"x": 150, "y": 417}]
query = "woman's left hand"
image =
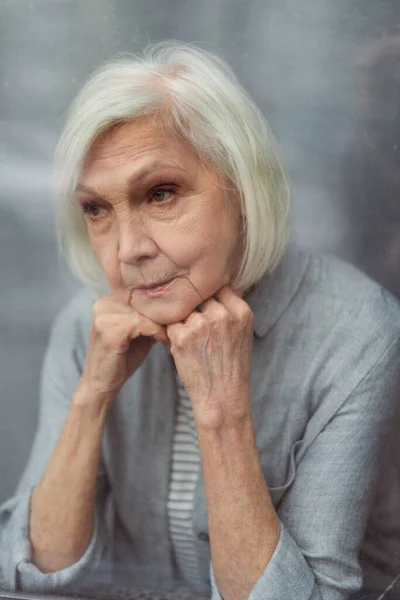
[{"x": 212, "y": 351}]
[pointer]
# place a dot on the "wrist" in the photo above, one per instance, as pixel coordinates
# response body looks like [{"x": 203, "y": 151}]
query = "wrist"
[
  {"x": 90, "y": 400},
  {"x": 223, "y": 412},
  {"x": 226, "y": 427}
]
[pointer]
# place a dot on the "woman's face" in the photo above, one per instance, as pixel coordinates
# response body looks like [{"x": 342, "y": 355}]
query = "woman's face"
[{"x": 156, "y": 215}]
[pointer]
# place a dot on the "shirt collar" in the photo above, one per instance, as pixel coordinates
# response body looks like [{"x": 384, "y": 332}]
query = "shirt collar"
[{"x": 273, "y": 293}]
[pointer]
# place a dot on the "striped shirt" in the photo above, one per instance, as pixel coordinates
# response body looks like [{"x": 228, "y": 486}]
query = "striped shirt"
[{"x": 184, "y": 474}]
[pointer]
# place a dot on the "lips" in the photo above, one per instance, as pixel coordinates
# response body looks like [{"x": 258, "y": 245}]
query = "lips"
[
  {"x": 153, "y": 286},
  {"x": 157, "y": 290}
]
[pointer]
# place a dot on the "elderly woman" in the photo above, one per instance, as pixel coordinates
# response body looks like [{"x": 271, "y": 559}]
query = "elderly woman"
[{"x": 214, "y": 403}]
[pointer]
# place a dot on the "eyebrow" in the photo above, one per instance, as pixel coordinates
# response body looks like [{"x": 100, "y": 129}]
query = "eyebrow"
[{"x": 135, "y": 178}]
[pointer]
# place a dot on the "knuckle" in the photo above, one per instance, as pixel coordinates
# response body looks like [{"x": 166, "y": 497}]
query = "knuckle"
[
  {"x": 135, "y": 320},
  {"x": 97, "y": 308},
  {"x": 102, "y": 306},
  {"x": 198, "y": 321},
  {"x": 99, "y": 322},
  {"x": 250, "y": 316},
  {"x": 105, "y": 334},
  {"x": 222, "y": 314},
  {"x": 180, "y": 338},
  {"x": 245, "y": 313},
  {"x": 111, "y": 333},
  {"x": 219, "y": 311}
]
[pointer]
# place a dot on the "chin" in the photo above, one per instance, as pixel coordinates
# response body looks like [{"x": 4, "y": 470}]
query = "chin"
[{"x": 166, "y": 313}]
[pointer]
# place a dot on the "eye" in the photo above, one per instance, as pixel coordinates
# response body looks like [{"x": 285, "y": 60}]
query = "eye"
[
  {"x": 160, "y": 195},
  {"x": 92, "y": 209}
]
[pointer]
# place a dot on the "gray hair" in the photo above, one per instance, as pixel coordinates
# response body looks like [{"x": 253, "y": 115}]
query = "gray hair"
[{"x": 198, "y": 97}]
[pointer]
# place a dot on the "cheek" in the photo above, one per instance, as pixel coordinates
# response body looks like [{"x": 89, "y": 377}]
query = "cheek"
[
  {"x": 209, "y": 243},
  {"x": 215, "y": 255},
  {"x": 221, "y": 239}
]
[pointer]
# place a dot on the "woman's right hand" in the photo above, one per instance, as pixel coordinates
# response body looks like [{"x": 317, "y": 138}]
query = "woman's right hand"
[{"x": 120, "y": 339}]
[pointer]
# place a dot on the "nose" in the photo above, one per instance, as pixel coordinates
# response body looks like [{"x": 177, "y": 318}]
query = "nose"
[{"x": 135, "y": 244}]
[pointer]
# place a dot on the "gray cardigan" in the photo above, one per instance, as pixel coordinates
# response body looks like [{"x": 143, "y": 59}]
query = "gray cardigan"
[{"x": 324, "y": 375}]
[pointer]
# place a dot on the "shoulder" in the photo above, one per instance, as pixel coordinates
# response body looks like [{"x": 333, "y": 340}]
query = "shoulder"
[
  {"x": 350, "y": 326},
  {"x": 71, "y": 326},
  {"x": 334, "y": 291},
  {"x": 309, "y": 294},
  {"x": 339, "y": 341},
  {"x": 66, "y": 348},
  {"x": 327, "y": 324}
]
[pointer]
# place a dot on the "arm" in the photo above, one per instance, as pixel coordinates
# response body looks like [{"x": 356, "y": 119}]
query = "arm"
[
  {"x": 62, "y": 503},
  {"x": 63, "y": 488},
  {"x": 61, "y": 525},
  {"x": 243, "y": 525},
  {"x": 322, "y": 516}
]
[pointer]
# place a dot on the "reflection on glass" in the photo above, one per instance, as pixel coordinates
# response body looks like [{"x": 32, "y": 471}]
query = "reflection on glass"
[
  {"x": 372, "y": 163},
  {"x": 216, "y": 401}
]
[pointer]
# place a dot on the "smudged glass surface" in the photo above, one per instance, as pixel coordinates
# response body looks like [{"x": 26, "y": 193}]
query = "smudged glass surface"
[{"x": 327, "y": 76}]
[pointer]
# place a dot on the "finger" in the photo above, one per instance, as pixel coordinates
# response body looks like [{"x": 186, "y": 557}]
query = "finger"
[
  {"x": 173, "y": 329},
  {"x": 228, "y": 298},
  {"x": 161, "y": 336},
  {"x": 207, "y": 304},
  {"x": 176, "y": 333},
  {"x": 149, "y": 328},
  {"x": 212, "y": 309}
]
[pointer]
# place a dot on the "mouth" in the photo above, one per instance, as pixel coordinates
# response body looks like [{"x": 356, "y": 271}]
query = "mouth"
[
  {"x": 156, "y": 289},
  {"x": 152, "y": 286}
]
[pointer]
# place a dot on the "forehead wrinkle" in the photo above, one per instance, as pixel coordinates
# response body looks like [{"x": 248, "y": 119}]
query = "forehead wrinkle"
[
  {"x": 140, "y": 174},
  {"x": 137, "y": 143},
  {"x": 123, "y": 150},
  {"x": 122, "y": 137},
  {"x": 113, "y": 149}
]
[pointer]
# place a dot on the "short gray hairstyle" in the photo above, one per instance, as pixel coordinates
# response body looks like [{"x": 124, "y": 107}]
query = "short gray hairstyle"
[{"x": 199, "y": 98}]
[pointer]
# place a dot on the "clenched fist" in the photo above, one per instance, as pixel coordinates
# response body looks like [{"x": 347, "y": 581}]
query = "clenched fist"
[
  {"x": 120, "y": 339},
  {"x": 212, "y": 351}
]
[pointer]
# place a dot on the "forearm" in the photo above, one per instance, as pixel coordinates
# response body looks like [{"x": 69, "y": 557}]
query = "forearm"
[
  {"x": 243, "y": 526},
  {"x": 62, "y": 504}
]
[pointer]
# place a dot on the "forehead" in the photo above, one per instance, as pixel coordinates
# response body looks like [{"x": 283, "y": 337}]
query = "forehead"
[{"x": 134, "y": 142}]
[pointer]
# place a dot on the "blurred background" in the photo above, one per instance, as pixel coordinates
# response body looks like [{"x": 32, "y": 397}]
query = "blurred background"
[{"x": 325, "y": 73}]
